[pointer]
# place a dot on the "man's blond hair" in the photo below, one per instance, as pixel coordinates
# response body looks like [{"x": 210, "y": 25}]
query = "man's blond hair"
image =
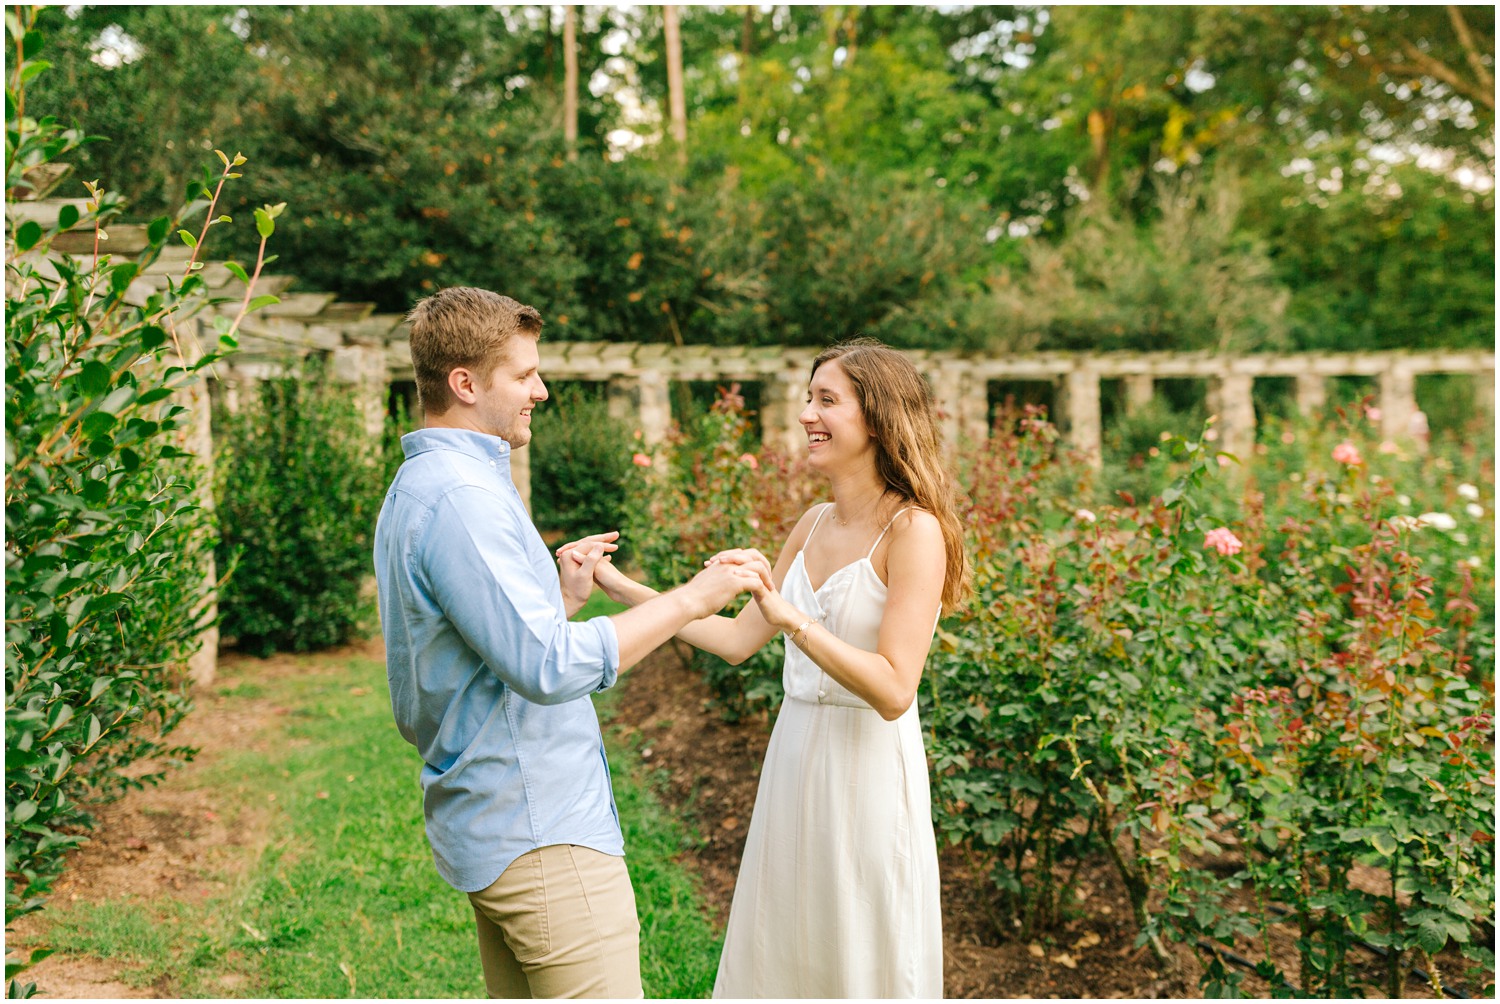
[{"x": 463, "y": 327}]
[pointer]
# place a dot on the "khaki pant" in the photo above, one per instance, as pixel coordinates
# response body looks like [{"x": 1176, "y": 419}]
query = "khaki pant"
[{"x": 560, "y": 922}]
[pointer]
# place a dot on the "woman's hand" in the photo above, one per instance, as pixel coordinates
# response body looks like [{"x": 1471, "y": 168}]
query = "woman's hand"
[
  {"x": 584, "y": 543},
  {"x": 774, "y": 608},
  {"x": 615, "y": 583},
  {"x": 750, "y": 557}
]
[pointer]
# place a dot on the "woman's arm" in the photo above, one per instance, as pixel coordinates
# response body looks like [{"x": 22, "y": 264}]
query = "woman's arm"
[
  {"x": 733, "y": 639},
  {"x": 887, "y": 678}
]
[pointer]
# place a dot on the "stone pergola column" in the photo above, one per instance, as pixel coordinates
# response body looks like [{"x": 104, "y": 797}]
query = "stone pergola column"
[
  {"x": 1484, "y": 392},
  {"x": 1398, "y": 401},
  {"x": 656, "y": 407},
  {"x": 363, "y": 365},
  {"x": 1080, "y": 412},
  {"x": 1312, "y": 393},
  {"x": 1231, "y": 397},
  {"x": 520, "y": 474},
  {"x": 1140, "y": 388},
  {"x": 642, "y": 401},
  {"x": 781, "y": 402},
  {"x": 622, "y": 396},
  {"x": 196, "y": 436},
  {"x": 963, "y": 404}
]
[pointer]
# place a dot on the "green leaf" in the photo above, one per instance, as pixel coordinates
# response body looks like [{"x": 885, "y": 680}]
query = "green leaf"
[
  {"x": 1432, "y": 936},
  {"x": 264, "y": 300},
  {"x": 238, "y": 271},
  {"x": 67, "y": 216},
  {"x": 101, "y": 446},
  {"x": 94, "y": 378},
  {"x": 154, "y": 395},
  {"x": 121, "y": 276},
  {"x": 1384, "y": 842},
  {"x": 97, "y": 423},
  {"x": 117, "y": 400},
  {"x": 32, "y": 69},
  {"x": 188, "y": 238},
  {"x": 23, "y": 812},
  {"x": 129, "y": 459},
  {"x": 264, "y": 225},
  {"x": 27, "y": 235},
  {"x": 156, "y": 230},
  {"x": 32, "y": 44},
  {"x": 152, "y": 336}
]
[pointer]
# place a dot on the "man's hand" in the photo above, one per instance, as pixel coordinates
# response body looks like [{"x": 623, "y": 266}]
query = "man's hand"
[{"x": 576, "y": 562}]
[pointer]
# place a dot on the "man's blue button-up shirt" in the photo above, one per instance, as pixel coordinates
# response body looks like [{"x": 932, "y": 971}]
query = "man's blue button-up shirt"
[{"x": 489, "y": 680}]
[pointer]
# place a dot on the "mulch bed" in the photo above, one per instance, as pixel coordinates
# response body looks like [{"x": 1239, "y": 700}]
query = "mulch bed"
[{"x": 711, "y": 767}]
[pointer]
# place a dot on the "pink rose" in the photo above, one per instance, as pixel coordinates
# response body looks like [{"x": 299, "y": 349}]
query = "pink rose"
[
  {"x": 1223, "y": 540},
  {"x": 749, "y": 458},
  {"x": 1347, "y": 453},
  {"x": 641, "y": 460},
  {"x": 1372, "y": 413}
]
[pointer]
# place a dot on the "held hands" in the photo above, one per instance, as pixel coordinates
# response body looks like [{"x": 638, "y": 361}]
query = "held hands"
[
  {"x": 773, "y": 607},
  {"x": 722, "y": 580},
  {"x": 577, "y": 562}
]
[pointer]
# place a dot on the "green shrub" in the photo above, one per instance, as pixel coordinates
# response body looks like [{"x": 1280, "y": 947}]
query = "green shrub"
[
  {"x": 700, "y": 493},
  {"x": 300, "y": 484},
  {"x": 1241, "y": 686},
  {"x": 107, "y": 590},
  {"x": 580, "y": 457}
]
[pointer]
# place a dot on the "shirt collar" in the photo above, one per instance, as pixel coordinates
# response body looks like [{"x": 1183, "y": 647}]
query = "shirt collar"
[{"x": 478, "y": 445}]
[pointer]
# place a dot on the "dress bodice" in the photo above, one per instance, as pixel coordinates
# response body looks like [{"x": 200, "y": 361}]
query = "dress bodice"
[{"x": 850, "y": 604}]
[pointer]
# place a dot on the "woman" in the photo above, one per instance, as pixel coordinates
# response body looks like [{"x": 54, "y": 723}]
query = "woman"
[{"x": 838, "y": 888}]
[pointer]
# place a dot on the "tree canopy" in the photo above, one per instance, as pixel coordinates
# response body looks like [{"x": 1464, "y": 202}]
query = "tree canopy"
[{"x": 1193, "y": 177}]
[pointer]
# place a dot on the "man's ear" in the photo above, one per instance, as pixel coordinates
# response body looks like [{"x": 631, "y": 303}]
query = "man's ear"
[{"x": 461, "y": 383}]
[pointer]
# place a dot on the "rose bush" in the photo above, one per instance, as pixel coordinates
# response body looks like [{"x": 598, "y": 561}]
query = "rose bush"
[{"x": 1252, "y": 690}]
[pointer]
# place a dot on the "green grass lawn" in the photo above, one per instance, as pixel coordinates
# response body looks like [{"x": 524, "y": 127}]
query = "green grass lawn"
[{"x": 344, "y": 900}]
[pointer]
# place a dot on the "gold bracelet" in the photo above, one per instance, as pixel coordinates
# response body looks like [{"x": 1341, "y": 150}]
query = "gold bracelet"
[{"x": 801, "y": 628}]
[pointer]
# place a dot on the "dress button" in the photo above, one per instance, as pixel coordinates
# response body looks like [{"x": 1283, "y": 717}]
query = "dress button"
[{"x": 822, "y": 694}]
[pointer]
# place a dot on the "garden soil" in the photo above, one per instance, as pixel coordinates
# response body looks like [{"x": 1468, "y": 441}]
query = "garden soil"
[{"x": 182, "y": 840}]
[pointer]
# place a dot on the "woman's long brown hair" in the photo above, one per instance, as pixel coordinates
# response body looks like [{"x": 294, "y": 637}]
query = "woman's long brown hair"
[{"x": 898, "y": 408}]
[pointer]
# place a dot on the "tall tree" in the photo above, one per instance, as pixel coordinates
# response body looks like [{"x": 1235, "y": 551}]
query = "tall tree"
[
  {"x": 570, "y": 80},
  {"x": 677, "y": 102}
]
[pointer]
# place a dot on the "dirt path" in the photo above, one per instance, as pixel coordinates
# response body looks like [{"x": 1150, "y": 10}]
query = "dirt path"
[{"x": 178, "y": 839}]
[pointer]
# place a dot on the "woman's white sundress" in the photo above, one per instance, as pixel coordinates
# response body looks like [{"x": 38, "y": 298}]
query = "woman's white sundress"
[{"x": 838, "y": 891}]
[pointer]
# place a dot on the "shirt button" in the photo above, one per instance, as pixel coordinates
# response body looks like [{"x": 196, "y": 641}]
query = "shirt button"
[{"x": 822, "y": 694}]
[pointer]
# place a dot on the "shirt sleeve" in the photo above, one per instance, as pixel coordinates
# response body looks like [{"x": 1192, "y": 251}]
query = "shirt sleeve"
[{"x": 475, "y": 562}]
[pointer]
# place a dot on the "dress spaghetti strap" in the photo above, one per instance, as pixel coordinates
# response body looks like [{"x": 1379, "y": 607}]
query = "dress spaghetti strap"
[
  {"x": 826, "y": 506},
  {"x": 882, "y": 533}
]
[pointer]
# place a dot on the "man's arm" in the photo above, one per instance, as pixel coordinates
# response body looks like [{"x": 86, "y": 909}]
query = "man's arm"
[
  {"x": 475, "y": 566},
  {"x": 646, "y": 626}
]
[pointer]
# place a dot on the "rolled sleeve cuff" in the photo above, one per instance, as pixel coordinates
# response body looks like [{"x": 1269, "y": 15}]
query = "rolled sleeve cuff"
[{"x": 609, "y": 644}]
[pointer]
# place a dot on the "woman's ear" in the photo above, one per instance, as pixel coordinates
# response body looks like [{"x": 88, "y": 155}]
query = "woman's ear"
[{"x": 461, "y": 383}]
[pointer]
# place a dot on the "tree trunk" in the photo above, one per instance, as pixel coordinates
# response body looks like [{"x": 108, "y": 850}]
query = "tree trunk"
[
  {"x": 570, "y": 80},
  {"x": 747, "y": 40},
  {"x": 676, "y": 102}
]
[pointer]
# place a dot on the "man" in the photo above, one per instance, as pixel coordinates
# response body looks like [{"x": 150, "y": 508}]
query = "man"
[{"x": 491, "y": 681}]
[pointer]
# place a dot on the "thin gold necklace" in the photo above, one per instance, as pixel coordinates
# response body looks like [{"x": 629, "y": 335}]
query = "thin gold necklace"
[{"x": 844, "y": 522}]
